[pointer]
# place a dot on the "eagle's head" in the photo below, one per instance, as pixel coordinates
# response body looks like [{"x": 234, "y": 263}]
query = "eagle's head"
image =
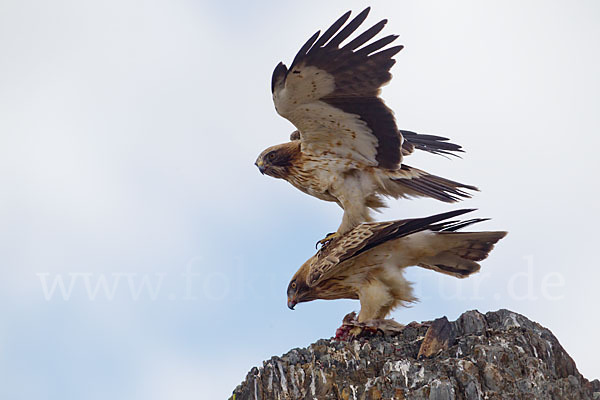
[
  {"x": 276, "y": 160},
  {"x": 298, "y": 290}
]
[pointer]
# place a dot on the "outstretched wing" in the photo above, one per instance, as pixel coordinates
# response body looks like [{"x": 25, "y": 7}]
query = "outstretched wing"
[
  {"x": 369, "y": 235},
  {"x": 331, "y": 94}
]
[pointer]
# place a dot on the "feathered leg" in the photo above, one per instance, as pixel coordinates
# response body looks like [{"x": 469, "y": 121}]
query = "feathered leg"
[{"x": 354, "y": 203}]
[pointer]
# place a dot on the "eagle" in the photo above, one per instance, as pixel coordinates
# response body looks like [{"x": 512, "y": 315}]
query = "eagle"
[
  {"x": 367, "y": 263},
  {"x": 347, "y": 148}
]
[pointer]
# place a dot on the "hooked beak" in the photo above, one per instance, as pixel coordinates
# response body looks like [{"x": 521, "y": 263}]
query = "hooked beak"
[
  {"x": 291, "y": 304},
  {"x": 261, "y": 166}
]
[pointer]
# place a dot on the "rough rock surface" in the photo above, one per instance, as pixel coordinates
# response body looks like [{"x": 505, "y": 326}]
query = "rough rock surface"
[{"x": 499, "y": 355}]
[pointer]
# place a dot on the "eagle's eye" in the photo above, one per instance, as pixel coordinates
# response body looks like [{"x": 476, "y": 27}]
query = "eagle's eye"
[
  {"x": 270, "y": 156},
  {"x": 293, "y": 285}
]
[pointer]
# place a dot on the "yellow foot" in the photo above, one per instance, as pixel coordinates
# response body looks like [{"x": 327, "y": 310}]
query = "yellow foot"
[{"x": 327, "y": 239}]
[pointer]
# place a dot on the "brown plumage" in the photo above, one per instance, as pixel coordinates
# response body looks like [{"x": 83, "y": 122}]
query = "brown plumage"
[
  {"x": 348, "y": 148},
  {"x": 354, "y": 187},
  {"x": 367, "y": 263}
]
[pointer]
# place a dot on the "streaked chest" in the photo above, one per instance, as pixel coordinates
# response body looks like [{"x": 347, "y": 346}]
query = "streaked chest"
[{"x": 318, "y": 175}]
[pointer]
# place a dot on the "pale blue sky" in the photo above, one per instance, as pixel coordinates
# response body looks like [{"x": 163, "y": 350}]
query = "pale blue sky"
[{"x": 128, "y": 132}]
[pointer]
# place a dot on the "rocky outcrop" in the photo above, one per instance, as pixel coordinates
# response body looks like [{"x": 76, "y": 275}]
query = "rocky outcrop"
[{"x": 498, "y": 355}]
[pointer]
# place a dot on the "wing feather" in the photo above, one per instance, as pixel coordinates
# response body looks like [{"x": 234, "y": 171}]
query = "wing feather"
[
  {"x": 330, "y": 93},
  {"x": 366, "y": 36},
  {"x": 369, "y": 235},
  {"x": 348, "y": 29},
  {"x": 379, "y": 44},
  {"x": 306, "y": 47},
  {"x": 332, "y": 30}
]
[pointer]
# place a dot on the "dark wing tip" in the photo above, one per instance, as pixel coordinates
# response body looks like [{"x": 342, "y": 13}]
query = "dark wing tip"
[
  {"x": 452, "y": 214},
  {"x": 406, "y": 227},
  {"x": 390, "y": 51},
  {"x": 279, "y": 74},
  {"x": 305, "y": 48},
  {"x": 438, "y": 221},
  {"x": 467, "y": 210},
  {"x": 363, "y": 14},
  {"x": 453, "y": 226},
  {"x": 332, "y": 30},
  {"x": 348, "y": 29},
  {"x": 378, "y": 45}
]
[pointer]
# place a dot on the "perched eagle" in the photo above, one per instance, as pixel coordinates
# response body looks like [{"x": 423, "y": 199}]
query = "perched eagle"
[
  {"x": 367, "y": 263},
  {"x": 348, "y": 148}
]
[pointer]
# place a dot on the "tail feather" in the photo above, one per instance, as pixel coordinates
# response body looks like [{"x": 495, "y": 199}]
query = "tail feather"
[
  {"x": 430, "y": 143},
  {"x": 459, "y": 252},
  {"x": 409, "y": 181}
]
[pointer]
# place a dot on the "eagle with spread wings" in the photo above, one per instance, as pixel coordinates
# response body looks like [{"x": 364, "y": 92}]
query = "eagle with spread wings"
[
  {"x": 347, "y": 148},
  {"x": 367, "y": 263}
]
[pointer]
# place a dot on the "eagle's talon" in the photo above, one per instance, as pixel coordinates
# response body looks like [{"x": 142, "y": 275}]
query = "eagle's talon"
[{"x": 327, "y": 239}]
